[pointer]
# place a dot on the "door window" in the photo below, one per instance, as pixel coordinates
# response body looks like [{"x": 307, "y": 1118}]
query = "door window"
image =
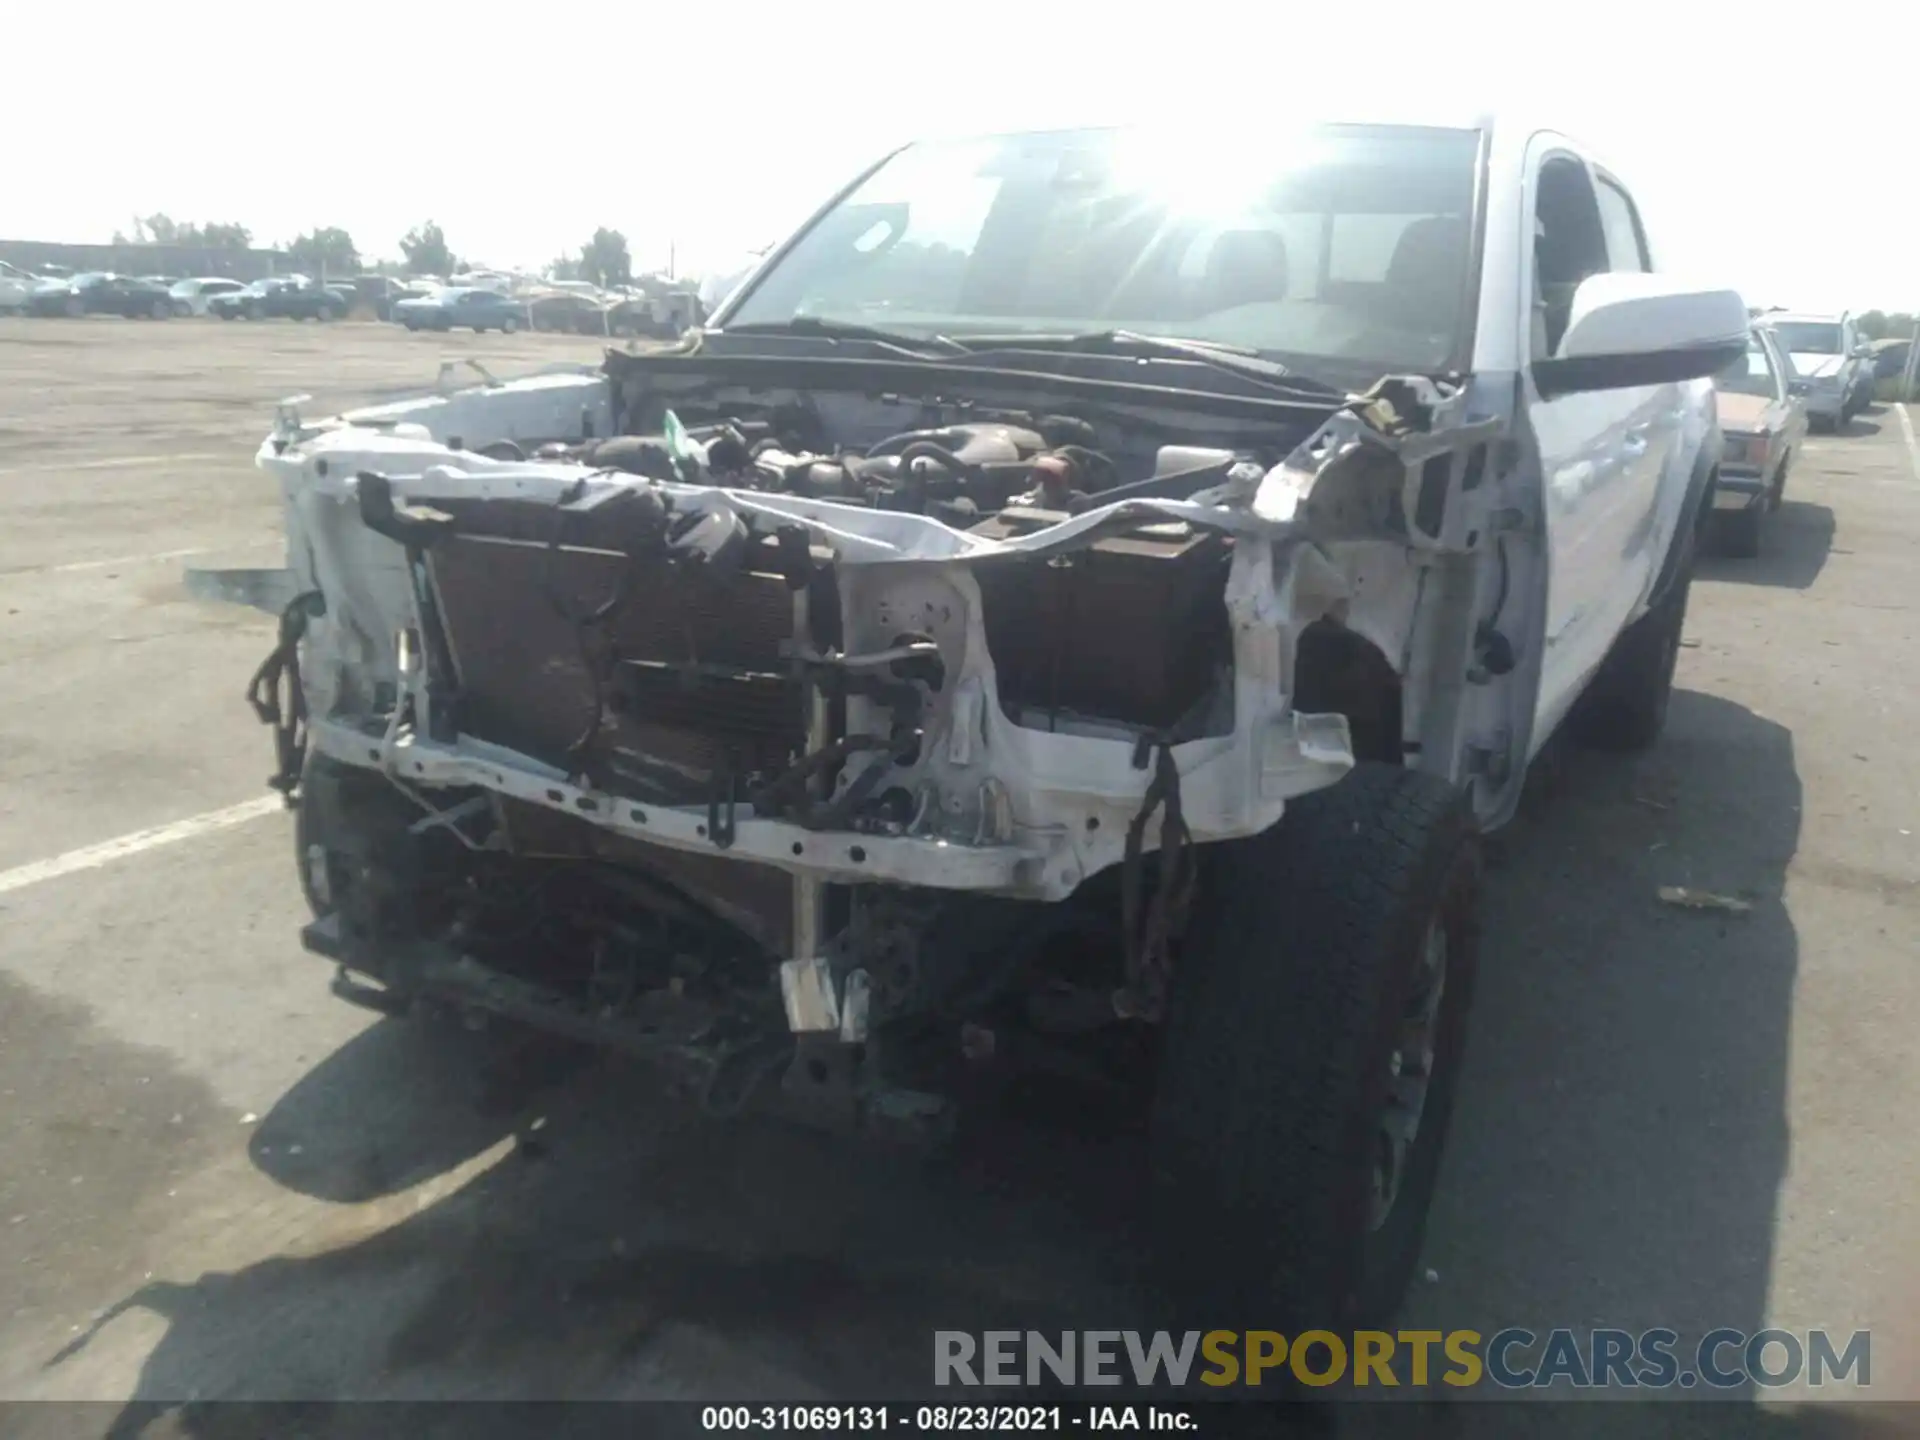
[
  {"x": 1626, "y": 245},
  {"x": 1569, "y": 245}
]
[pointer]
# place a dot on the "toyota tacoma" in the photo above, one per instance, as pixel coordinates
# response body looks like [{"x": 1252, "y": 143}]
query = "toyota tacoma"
[{"x": 1076, "y": 606}]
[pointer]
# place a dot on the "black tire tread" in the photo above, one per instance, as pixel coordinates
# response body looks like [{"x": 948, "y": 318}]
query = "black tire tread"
[{"x": 1268, "y": 1057}]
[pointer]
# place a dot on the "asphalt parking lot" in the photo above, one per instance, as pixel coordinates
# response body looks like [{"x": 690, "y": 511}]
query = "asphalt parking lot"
[{"x": 220, "y": 1182}]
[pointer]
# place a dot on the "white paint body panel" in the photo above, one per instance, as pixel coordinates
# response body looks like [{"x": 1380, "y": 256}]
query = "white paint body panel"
[{"x": 1614, "y": 465}]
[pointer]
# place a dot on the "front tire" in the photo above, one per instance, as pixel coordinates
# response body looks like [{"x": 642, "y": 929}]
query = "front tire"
[
  {"x": 1313, "y": 1041},
  {"x": 509, "y": 325},
  {"x": 306, "y": 863}
]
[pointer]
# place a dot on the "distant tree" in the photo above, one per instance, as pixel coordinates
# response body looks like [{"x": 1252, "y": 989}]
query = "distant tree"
[
  {"x": 229, "y": 236},
  {"x": 425, "y": 247},
  {"x": 566, "y": 267},
  {"x": 1881, "y": 325},
  {"x": 161, "y": 229},
  {"x": 605, "y": 260},
  {"x": 156, "y": 229},
  {"x": 326, "y": 251},
  {"x": 1897, "y": 325}
]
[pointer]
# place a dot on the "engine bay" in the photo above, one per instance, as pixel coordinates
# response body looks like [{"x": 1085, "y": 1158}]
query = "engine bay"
[
  {"x": 776, "y": 613},
  {"x": 836, "y": 667},
  {"x": 680, "y": 648},
  {"x": 960, "y": 473}
]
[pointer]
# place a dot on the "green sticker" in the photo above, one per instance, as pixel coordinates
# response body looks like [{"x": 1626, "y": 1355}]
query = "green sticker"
[{"x": 681, "y": 449}]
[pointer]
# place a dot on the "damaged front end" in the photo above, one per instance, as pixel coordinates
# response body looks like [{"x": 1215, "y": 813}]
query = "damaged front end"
[{"x": 823, "y": 738}]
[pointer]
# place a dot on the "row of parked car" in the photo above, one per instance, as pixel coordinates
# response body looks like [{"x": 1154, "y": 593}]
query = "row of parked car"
[
  {"x": 162, "y": 297},
  {"x": 84, "y": 294},
  {"x": 1800, "y": 372},
  {"x": 489, "y": 302},
  {"x": 508, "y": 304}
]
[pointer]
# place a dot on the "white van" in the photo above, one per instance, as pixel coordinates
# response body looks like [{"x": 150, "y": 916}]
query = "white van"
[{"x": 190, "y": 297}]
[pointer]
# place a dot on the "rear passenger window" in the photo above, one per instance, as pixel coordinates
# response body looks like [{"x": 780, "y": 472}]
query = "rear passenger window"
[{"x": 1626, "y": 250}]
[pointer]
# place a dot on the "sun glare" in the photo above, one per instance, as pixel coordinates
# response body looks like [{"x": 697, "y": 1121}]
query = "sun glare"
[{"x": 1203, "y": 174}]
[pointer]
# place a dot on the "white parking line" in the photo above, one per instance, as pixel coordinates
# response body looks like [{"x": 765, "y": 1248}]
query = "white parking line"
[
  {"x": 92, "y": 857},
  {"x": 117, "y": 462},
  {"x": 79, "y": 565},
  {"x": 1913, "y": 447},
  {"x": 127, "y": 562}
]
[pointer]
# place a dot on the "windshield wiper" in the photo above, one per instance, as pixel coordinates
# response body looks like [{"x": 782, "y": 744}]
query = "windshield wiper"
[
  {"x": 1230, "y": 359},
  {"x": 924, "y": 346},
  {"x": 1233, "y": 359}
]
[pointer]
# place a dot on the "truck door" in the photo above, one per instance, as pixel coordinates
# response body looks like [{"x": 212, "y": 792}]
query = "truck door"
[
  {"x": 1661, "y": 424},
  {"x": 1602, "y": 453}
]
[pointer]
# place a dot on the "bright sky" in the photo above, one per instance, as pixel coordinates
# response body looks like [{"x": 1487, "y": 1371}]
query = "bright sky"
[{"x": 1771, "y": 148}]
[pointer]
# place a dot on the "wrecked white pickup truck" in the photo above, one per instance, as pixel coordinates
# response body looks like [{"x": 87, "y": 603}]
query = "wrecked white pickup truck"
[{"x": 1058, "y": 614}]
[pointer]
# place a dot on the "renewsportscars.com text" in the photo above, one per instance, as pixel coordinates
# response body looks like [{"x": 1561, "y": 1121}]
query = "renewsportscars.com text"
[{"x": 1512, "y": 1359}]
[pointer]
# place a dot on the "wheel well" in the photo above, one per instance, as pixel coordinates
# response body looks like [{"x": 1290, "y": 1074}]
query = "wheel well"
[
  {"x": 1705, "y": 506},
  {"x": 1338, "y": 671},
  {"x": 1694, "y": 521}
]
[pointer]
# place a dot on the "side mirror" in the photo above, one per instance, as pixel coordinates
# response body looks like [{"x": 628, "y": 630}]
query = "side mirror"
[{"x": 1628, "y": 330}]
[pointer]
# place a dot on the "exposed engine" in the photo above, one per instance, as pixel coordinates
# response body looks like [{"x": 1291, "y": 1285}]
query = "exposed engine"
[{"x": 958, "y": 473}]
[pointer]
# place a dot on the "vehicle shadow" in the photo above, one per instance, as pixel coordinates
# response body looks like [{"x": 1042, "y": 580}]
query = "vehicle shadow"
[
  {"x": 1621, "y": 1132},
  {"x": 1618, "y": 1146},
  {"x": 401, "y": 1103},
  {"x": 1795, "y": 542},
  {"x": 625, "y": 1249},
  {"x": 1861, "y": 425}
]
